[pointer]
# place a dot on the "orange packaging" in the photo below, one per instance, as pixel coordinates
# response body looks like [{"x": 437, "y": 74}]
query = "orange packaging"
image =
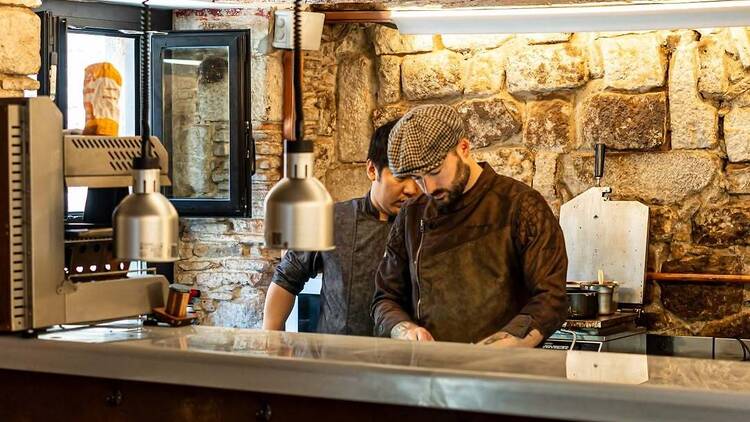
[{"x": 101, "y": 99}]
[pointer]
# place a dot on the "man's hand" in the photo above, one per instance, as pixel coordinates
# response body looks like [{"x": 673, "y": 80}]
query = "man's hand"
[
  {"x": 503, "y": 339},
  {"x": 407, "y": 330}
]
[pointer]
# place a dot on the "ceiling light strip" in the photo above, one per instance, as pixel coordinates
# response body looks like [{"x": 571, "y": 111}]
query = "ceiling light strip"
[{"x": 579, "y": 18}]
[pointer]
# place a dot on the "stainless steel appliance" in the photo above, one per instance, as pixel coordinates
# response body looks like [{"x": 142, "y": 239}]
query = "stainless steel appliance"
[
  {"x": 607, "y": 333},
  {"x": 41, "y": 285},
  {"x": 606, "y": 237}
]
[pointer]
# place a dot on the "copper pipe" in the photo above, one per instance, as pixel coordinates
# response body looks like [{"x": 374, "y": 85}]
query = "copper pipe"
[{"x": 698, "y": 278}]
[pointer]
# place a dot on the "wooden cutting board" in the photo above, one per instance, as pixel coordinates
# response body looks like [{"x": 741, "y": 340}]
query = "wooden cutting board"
[{"x": 607, "y": 235}]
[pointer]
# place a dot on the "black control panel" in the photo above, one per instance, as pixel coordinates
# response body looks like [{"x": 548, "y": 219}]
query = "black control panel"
[{"x": 586, "y": 346}]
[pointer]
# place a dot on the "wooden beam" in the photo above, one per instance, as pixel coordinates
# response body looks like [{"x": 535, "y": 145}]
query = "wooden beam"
[
  {"x": 358, "y": 16},
  {"x": 287, "y": 128}
]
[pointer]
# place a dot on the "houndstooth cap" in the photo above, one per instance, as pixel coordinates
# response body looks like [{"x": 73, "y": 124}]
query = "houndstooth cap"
[{"x": 422, "y": 138}]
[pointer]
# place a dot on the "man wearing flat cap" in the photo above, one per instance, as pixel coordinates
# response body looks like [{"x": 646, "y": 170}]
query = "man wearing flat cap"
[{"x": 480, "y": 258}]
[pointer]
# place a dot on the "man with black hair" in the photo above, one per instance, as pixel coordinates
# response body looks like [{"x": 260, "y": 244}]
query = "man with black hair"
[{"x": 360, "y": 234}]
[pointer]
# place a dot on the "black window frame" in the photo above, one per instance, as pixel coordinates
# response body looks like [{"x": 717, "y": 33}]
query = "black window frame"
[{"x": 241, "y": 144}]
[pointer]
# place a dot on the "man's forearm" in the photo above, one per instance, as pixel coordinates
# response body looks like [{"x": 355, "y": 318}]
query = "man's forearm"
[
  {"x": 503, "y": 339},
  {"x": 278, "y": 306}
]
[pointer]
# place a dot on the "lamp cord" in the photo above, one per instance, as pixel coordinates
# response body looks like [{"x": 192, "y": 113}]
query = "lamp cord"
[
  {"x": 297, "y": 68},
  {"x": 145, "y": 78}
]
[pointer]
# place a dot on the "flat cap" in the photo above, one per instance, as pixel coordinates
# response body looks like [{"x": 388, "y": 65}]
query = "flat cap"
[{"x": 422, "y": 138}]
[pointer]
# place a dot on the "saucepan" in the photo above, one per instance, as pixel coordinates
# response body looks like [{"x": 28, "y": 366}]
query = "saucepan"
[
  {"x": 582, "y": 304},
  {"x": 605, "y": 294}
]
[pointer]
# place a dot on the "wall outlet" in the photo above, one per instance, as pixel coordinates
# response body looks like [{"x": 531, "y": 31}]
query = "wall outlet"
[{"x": 312, "y": 29}]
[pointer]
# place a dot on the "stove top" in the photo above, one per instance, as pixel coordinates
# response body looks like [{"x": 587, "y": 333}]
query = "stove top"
[{"x": 601, "y": 322}]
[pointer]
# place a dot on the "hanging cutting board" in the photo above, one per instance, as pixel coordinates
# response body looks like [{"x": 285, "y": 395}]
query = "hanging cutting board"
[{"x": 607, "y": 235}]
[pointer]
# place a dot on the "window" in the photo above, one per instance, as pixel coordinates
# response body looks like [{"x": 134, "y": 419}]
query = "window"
[
  {"x": 86, "y": 46},
  {"x": 200, "y": 115}
]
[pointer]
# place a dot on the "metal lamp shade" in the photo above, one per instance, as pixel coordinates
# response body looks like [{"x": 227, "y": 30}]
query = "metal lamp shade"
[
  {"x": 299, "y": 216},
  {"x": 299, "y": 209},
  {"x": 146, "y": 224}
]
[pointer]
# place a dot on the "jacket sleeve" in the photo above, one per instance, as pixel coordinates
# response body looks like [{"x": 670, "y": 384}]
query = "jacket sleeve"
[
  {"x": 295, "y": 269},
  {"x": 539, "y": 239},
  {"x": 391, "y": 303}
]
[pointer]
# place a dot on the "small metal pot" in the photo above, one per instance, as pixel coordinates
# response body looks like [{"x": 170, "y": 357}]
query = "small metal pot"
[
  {"x": 605, "y": 295},
  {"x": 582, "y": 304}
]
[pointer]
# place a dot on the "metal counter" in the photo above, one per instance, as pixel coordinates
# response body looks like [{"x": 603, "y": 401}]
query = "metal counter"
[{"x": 540, "y": 383}]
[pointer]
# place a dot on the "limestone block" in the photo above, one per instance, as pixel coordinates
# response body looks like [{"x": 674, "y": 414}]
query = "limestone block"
[
  {"x": 244, "y": 313},
  {"x": 347, "y": 182},
  {"x": 221, "y": 149},
  {"x": 27, "y": 3},
  {"x": 738, "y": 179},
  {"x": 741, "y": 44},
  {"x": 383, "y": 115},
  {"x": 661, "y": 222},
  {"x": 213, "y": 101},
  {"x": 590, "y": 47},
  {"x": 325, "y": 155},
  {"x": 722, "y": 226},
  {"x": 433, "y": 75},
  {"x": 700, "y": 302},
  {"x": 190, "y": 265},
  {"x": 515, "y": 162},
  {"x": 18, "y": 83},
  {"x": 539, "y": 69},
  {"x": 5, "y": 93},
  {"x": 624, "y": 121},
  {"x": 545, "y": 170},
  {"x": 651, "y": 177},
  {"x": 694, "y": 123},
  {"x": 390, "y": 41},
  {"x": 213, "y": 280},
  {"x": 19, "y": 41},
  {"x": 266, "y": 88},
  {"x": 389, "y": 79},
  {"x": 350, "y": 40},
  {"x": 216, "y": 249},
  {"x": 355, "y": 105},
  {"x": 464, "y": 42},
  {"x": 713, "y": 71},
  {"x": 490, "y": 120},
  {"x": 633, "y": 63},
  {"x": 737, "y": 134},
  {"x": 250, "y": 265},
  {"x": 548, "y": 125},
  {"x": 485, "y": 73},
  {"x": 548, "y": 38}
]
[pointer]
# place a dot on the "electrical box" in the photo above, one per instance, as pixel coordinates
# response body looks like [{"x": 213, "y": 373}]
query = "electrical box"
[{"x": 312, "y": 29}]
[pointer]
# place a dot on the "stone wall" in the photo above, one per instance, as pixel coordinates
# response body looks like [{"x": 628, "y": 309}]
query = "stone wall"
[
  {"x": 225, "y": 257},
  {"x": 671, "y": 107},
  {"x": 19, "y": 47},
  {"x": 199, "y": 127}
]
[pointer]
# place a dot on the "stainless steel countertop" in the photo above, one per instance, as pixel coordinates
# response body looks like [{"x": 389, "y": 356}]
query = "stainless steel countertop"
[{"x": 543, "y": 383}]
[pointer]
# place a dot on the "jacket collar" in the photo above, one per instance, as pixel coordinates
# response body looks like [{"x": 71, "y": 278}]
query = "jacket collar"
[{"x": 367, "y": 208}]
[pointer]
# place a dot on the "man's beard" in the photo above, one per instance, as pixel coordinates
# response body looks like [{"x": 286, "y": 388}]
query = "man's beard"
[{"x": 453, "y": 194}]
